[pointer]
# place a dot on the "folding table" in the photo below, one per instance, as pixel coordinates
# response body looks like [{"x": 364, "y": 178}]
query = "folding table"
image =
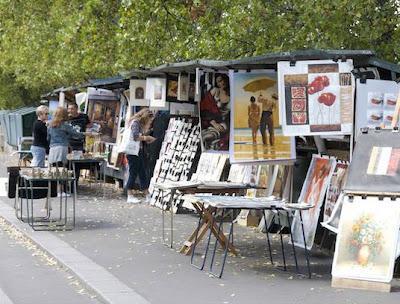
[{"x": 223, "y": 203}]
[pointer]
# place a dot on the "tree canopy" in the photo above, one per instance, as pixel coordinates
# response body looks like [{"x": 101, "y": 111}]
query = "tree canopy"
[{"x": 50, "y": 43}]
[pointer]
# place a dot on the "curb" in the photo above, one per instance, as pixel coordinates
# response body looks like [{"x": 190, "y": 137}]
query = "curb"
[{"x": 106, "y": 286}]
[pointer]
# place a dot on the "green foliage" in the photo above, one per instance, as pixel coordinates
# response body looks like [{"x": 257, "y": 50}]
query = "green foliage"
[{"x": 50, "y": 43}]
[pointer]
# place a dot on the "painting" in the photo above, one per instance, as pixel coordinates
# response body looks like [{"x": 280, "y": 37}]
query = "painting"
[
  {"x": 376, "y": 103},
  {"x": 156, "y": 91},
  {"x": 137, "y": 92},
  {"x": 256, "y": 132},
  {"x": 332, "y": 223},
  {"x": 316, "y": 97},
  {"x": 183, "y": 87},
  {"x": 375, "y": 166},
  {"x": 172, "y": 88},
  {"x": 367, "y": 239},
  {"x": 335, "y": 188},
  {"x": 214, "y": 108},
  {"x": 104, "y": 115},
  {"x": 313, "y": 192},
  {"x": 53, "y": 105}
]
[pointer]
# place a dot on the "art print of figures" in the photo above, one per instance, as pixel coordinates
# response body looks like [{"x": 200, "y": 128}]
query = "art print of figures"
[
  {"x": 104, "y": 115},
  {"x": 367, "y": 240},
  {"x": 316, "y": 97},
  {"x": 156, "y": 91},
  {"x": 313, "y": 192},
  {"x": 256, "y": 133},
  {"x": 335, "y": 187},
  {"x": 137, "y": 92},
  {"x": 215, "y": 112}
]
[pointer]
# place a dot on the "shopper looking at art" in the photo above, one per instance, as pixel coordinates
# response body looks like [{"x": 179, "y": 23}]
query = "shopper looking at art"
[
  {"x": 59, "y": 134},
  {"x": 215, "y": 115},
  {"x": 139, "y": 125},
  {"x": 267, "y": 121},
  {"x": 39, "y": 133},
  {"x": 79, "y": 121}
]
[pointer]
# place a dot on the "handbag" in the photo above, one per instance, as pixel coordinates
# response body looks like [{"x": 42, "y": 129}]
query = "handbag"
[{"x": 128, "y": 145}]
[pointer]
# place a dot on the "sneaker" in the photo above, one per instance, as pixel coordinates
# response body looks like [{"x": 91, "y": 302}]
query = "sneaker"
[
  {"x": 133, "y": 200},
  {"x": 63, "y": 194}
]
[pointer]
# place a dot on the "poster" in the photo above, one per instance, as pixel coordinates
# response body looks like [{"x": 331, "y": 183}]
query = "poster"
[
  {"x": 156, "y": 91},
  {"x": 367, "y": 239},
  {"x": 215, "y": 112},
  {"x": 335, "y": 187},
  {"x": 256, "y": 132},
  {"x": 316, "y": 97},
  {"x": 172, "y": 88},
  {"x": 183, "y": 87},
  {"x": 375, "y": 166},
  {"x": 53, "y": 105},
  {"x": 375, "y": 103},
  {"x": 137, "y": 89},
  {"x": 104, "y": 116},
  {"x": 313, "y": 192}
]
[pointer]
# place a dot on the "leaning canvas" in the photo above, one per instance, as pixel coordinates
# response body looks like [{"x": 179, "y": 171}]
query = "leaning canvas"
[
  {"x": 312, "y": 193},
  {"x": 367, "y": 239}
]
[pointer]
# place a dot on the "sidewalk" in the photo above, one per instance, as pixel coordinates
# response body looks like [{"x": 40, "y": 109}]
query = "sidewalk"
[{"x": 125, "y": 240}]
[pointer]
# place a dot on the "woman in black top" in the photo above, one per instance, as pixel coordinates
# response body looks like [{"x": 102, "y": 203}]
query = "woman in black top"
[{"x": 40, "y": 144}]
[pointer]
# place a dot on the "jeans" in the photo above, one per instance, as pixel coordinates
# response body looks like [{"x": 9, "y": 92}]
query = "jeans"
[
  {"x": 136, "y": 167},
  {"x": 39, "y": 156}
]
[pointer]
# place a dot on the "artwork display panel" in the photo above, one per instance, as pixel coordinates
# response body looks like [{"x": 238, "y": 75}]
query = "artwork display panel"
[
  {"x": 156, "y": 91},
  {"x": 316, "y": 97},
  {"x": 313, "y": 192},
  {"x": 256, "y": 132},
  {"x": 335, "y": 187},
  {"x": 367, "y": 239},
  {"x": 214, "y": 110},
  {"x": 376, "y": 103},
  {"x": 137, "y": 92},
  {"x": 104, "y": 114}
]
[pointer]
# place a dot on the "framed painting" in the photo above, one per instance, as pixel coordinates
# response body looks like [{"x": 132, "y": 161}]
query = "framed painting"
[
  {"x": 172, "y": 88},
  {"x": 137, "y": 92},
  {"x": 156, "y": 91},
  {"x": 256, "y": 132},
  {"x": 214, "y": 109},
  {"x": 316, "y": 97},
  {"x": 367, "y": 240},
  {"x": 313, "y": 192},
  {"x": 183, "y": 87}
]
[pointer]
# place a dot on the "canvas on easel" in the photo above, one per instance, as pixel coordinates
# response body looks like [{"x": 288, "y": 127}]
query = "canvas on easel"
[{"x": 367, "y": 239}]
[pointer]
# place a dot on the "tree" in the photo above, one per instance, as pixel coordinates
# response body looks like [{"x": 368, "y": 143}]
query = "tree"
[{"x": 51, "y": 43}]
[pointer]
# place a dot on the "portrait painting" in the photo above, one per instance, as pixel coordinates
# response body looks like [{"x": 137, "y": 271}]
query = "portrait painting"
[{"x": 156, "y": 91}]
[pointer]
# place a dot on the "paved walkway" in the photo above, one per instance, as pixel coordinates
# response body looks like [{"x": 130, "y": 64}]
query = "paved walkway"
[{"x": 124, "y": 243}]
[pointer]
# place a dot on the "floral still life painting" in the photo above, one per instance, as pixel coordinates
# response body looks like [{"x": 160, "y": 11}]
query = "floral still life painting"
[{"x": 367, "y": 239}]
